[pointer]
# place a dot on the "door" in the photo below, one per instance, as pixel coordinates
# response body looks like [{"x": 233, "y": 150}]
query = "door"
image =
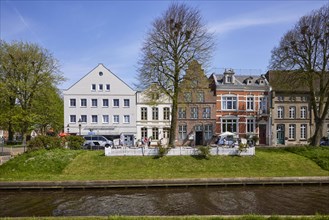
[
  {"x": 280, "y": 134},
  {"x": 198, "y": 138},
  {"x": 262, "y": 134}
]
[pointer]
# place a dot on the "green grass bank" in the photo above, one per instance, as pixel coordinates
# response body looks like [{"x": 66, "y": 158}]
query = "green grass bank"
[{"x": 61, "y": 165}]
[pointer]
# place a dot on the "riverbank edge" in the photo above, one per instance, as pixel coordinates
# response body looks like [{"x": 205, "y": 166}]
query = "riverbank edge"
[{"x": 164, "y": 183}]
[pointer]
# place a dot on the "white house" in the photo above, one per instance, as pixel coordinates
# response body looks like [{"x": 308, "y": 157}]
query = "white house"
[
  {"x": 153, "y": 115},
  {"x": 101, "y": 103}
]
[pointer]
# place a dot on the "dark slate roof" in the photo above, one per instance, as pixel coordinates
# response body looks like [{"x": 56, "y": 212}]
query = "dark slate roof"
[{"x": 242, "y": 82}]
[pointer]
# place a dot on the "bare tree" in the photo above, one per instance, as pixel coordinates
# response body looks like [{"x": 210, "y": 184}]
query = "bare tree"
[
  {"x": 305, "y": 50},
  {"x": 175, "y": 39}
]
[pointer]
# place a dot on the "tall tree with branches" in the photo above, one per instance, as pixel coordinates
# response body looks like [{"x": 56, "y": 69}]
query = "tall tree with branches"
[
  {"x": 305, "y": 51},
  {"x": 27, "y": 71},
  {"x": 175, "y": 39}
]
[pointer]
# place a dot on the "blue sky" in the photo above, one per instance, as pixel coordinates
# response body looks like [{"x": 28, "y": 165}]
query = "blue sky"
[{"x": 82, "y": 34}]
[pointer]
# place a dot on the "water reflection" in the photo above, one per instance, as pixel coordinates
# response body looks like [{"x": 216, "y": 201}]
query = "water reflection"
[{"x": 173, "y": 201}]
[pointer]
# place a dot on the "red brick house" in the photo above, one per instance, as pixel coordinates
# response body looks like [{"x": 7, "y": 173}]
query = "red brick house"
[{"x": 242, "y": 105}]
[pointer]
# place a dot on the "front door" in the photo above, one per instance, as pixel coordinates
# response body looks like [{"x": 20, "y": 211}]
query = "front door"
[
  {"x": 262, "y": 134},
  {"x": 198, "y": 138},
  {"x": 280, "y": 134}
]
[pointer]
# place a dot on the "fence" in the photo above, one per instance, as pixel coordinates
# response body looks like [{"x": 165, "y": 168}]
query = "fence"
[{"x": 142, "y": 151}]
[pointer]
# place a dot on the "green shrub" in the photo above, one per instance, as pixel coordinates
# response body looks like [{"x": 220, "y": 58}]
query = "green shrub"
[
  {"x": 44, "y": 142},
  {"x": 75, "y": 142},
  {"x": 204, "y": 152},
  {"x": 162, "y": 151}
]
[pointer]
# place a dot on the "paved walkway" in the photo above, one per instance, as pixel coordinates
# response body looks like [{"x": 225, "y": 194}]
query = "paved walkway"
[{"x": 202, "y": 182}]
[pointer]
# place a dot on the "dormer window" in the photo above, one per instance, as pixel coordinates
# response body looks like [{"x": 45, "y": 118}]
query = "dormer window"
[
  {"x": 229, "y": 79},
  {"x": 249, "y": 81}
]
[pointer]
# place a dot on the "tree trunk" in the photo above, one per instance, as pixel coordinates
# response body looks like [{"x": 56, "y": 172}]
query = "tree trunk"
[
  {"x": 173, "y": 124},
  {"x": 10, "y": 133},
  {"x": 318, "y": 132}
]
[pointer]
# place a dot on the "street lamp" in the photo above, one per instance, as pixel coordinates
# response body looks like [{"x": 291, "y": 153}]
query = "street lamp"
[
  {"x": 80, "y": 126},
  {"x": 68, "y": 128}
]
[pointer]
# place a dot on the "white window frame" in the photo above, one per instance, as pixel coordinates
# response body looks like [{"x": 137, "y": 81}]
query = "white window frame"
[
  {"x": 144, "y": 113},
  {"x": 206, "y": 114},
  {"x": 166, "y": 113},
  {"x": 182, "y": 132},
  {"x": 93, "y": 87},
  {"x": 292, "y": 131},
  {"x": 106, "y": 119},
  {"x": 233, "y": 102},
  {"x": 126, "y": 119},
  {"x": 116, "y": 103},
  {"x": 73, "y": 103},
  {"x": 303, "y": 131},
  {"x": 107, "y": 87},
  {"x": 126, "y": 103},
  {"x": 94, "y": 103},
  {"x": 292, "y": 112},
  {"x": 225, "y": 122},
  {"x": 73, "y": 118},
  {"x": 194, "y": 112},
  {"x": 100, "y": 87},
  {"x": 106, "y": 105},
  {"x": 155, "y": 113},
  {"x": 251, "y": 125},
  {"x": 83, "y": 118},
  {"x": 94, "y": 119},
  {"x": 303, "y": 112},
  {"x": 83, "y": 102},
  {"x": 116, "y": 119},
  {"x": 250, "y": 103},
  {"x": 280, "y": 112}
]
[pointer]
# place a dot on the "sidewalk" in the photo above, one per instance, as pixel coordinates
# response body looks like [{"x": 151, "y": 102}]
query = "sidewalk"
[{"x": 203, "y": 182}]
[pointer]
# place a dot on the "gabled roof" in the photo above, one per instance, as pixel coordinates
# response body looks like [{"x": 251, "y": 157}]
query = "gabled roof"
[{"x": 107, "y": 77}]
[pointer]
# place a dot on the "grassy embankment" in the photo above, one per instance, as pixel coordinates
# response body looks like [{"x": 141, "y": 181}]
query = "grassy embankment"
[{"x": 59, "y": 164}]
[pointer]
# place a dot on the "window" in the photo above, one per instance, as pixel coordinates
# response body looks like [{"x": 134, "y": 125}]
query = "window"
[
  {"x": 207, "y": 132},
  {"x": 100, "y": 87},
  {"x": 73, "y": 103},
  {"x": 263, "y": 105},
  {"x": 83, "y": 102},
  {"x": 303, "y": 130},
  {"x": 126, "y": 119},
  {"x": 166, "y": 132},
  {"x": 194, "y": 112},
  {"x": 93, "y": 102},
  {"x": 116, "y": 102},
  {"x": 280, "y": 98},
  {"x": 250, "y": 125},
  {"x": 181, "y": 113},
  {"x": 144, "y": 132},
  {"x": 107, "y": 87},
  {"x": 182, "y": 132},
  {"x": 84, "y": 118},
  {"x": 155, "y": 113},
  {"x": 229, "y": 79},
  {"x": 155, "y": 96},
  {"x": 229, "y": 103},
  {"x": 93, "y": 87},
  {"x": 73, "y": 118},
  {"x": 105, "y": 103},
  {"x": 229, "y": 125},
  {"x": 206, "y": 112},
  {"x": 100, "y": 73},
  {"x": 155, "y": 133},
  {"x": 166, "y": 113},
  {"x": 292, "y": 98},
  {"x": 187, "y": 97},
  {"x": 126, "y": 102},
  {"x": 292, "y": 112},
  {"x": 303, "y": 112},
  {"x": 106, "y": 119},
  {"x": 292, "y": 129},
  {"x": 280, "y": 112},
  {"x": 200, "y": 97},
  {"x": 94, "y": 119},
  {"x": 143, "y": 113},
  {"x": 250, "y": 103},
  {"x": 116, "y": 119}
]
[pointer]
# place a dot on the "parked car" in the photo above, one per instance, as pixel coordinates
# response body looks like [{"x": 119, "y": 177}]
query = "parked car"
[
  {"x": 96, "y": 142},
  {"x": 324, "y": 142}
]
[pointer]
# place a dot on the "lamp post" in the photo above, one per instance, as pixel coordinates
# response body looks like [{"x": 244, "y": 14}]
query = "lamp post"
[
  {"x": 79, "y": 126},
  {"x": 68, "y": 128}
]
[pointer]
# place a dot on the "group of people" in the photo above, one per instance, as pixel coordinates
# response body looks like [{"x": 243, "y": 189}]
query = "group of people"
[{"x": 146, "y": 142}]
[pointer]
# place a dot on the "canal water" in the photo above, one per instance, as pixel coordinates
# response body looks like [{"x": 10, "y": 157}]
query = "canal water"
[{"x": 264, "y": 200}]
